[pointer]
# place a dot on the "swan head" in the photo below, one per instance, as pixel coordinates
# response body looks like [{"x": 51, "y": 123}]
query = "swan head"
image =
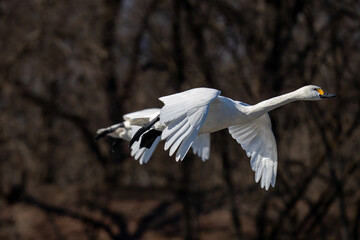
[{"x": 313, "y": 93}]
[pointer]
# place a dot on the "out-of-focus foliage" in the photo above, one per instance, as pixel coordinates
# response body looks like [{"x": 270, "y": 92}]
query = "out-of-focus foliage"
[{"x": 68, "y": 68}]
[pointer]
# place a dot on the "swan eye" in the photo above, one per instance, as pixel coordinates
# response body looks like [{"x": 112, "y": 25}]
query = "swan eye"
[{"x": 320, "y": 91}]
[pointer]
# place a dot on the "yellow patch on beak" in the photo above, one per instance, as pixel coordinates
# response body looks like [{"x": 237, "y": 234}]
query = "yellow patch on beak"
[{"x": 321, "y": 92}]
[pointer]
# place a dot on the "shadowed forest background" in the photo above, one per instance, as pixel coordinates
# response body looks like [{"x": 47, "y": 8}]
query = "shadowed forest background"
[{"x": 68, "y": 68}]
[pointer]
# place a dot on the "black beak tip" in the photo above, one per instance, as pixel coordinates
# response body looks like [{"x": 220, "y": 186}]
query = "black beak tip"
[
  {"x": 328, "y": 95},
  {"x": 103, "y": 134}
]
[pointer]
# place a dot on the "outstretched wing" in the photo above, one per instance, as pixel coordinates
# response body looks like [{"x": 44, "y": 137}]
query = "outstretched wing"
[
  {"x": 258, "y": 140},
  {"x": 183, "y": 114},
  {"x": 201, "y": 146}
]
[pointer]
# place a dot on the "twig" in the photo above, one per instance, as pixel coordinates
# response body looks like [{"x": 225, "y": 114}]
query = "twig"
[
  {"x": 231, "y": 188},
  {"x": 80, "y": 122}
]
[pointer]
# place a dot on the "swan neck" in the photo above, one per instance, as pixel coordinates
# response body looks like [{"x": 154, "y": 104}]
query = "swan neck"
[{"x": 265, "y": 106}]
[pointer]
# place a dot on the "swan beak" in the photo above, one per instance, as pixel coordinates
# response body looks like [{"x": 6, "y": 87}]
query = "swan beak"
[{"x": 327, "y": 95}]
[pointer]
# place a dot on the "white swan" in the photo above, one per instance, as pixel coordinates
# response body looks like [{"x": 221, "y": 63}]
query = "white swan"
[
  {"x": 136, "y": 120},
  {"x": 186, "y": 115},
  {"x": 125, "y": 130}
]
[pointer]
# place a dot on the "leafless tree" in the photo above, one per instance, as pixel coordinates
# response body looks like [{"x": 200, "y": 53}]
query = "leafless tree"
[{"x": 68, "y": 68}]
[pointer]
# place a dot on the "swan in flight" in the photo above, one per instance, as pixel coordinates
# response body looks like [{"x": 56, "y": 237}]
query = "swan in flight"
[
  {"x": 143, "y": 118},
  {"x": 125, "y": 129},
  {"x": 199, "y": 111}
]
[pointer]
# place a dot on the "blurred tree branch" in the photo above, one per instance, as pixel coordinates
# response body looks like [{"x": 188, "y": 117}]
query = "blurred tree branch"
[
  {"x": 78, "y": 61},
  {"x": 55, "y": 110}
]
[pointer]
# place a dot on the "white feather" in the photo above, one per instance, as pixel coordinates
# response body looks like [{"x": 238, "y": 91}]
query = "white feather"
[
  {"x": 201, "y": 146},
  {"x": 258, "y": 140}
]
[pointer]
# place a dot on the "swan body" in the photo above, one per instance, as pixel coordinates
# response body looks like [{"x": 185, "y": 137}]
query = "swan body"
[
  {"x": 200, "y": 111},
  {"x": 126, "y": 130}
]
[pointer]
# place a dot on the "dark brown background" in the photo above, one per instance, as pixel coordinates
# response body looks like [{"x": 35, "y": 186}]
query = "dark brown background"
[{"x": 68, "y": 68}]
